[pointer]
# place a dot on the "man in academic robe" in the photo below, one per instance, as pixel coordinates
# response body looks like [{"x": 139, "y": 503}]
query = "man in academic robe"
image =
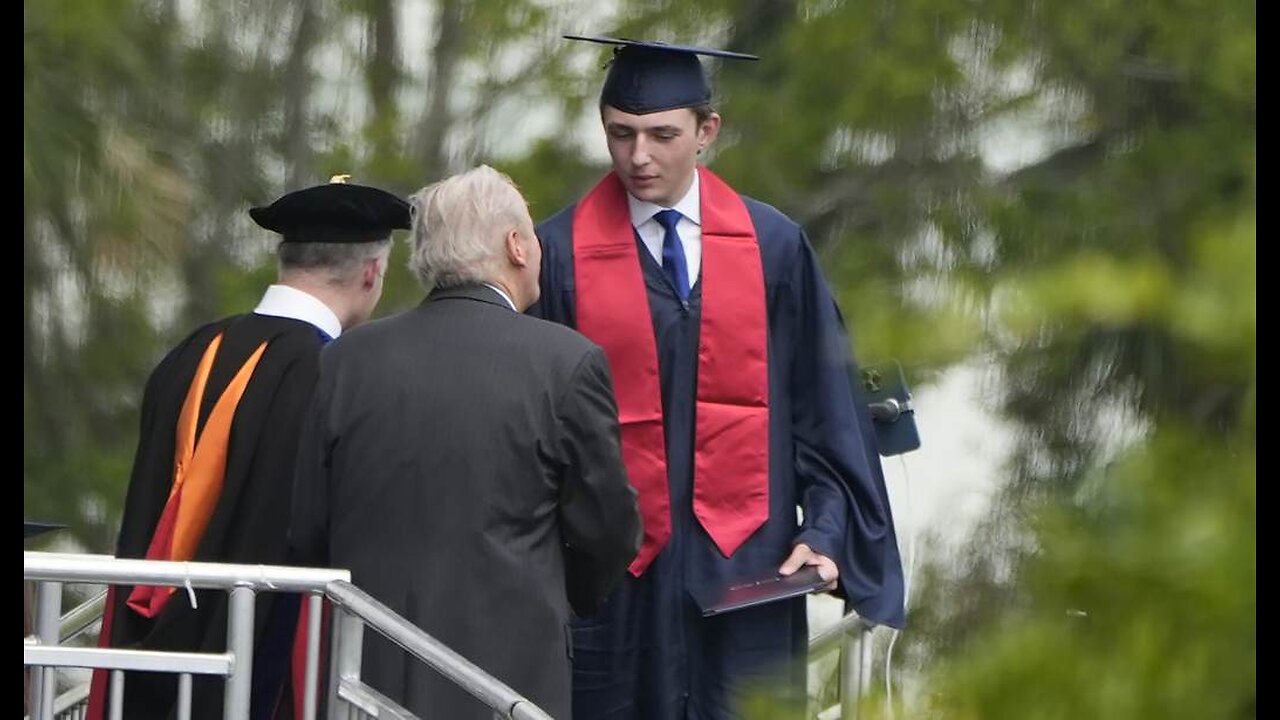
[
  {"x": 731, "y": 367},
  {"x": 463, "y": 461},
  {"x": 221, "y": 417}
]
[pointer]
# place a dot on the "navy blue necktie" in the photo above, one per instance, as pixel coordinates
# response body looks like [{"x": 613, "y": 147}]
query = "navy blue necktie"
[{"x": 673, "y": 262}]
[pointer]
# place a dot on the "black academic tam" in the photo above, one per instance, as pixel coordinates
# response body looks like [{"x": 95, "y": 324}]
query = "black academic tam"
[{"x": 336, "y": 212}]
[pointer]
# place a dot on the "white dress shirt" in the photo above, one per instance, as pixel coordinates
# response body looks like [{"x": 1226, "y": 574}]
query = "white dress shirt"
[
  {"x": 689, "y": 228},
  {"x": 503, "y": 293},
  {"x": 288, "y": 302}
]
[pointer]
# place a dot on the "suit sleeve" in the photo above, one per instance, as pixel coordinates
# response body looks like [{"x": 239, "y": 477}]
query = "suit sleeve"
[
  {"x": 846, "y": 509},
  {"x": 599, "y": 518}
]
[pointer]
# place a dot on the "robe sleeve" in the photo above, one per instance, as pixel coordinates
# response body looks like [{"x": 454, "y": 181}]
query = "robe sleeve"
[{"x": 841, "y": 486}]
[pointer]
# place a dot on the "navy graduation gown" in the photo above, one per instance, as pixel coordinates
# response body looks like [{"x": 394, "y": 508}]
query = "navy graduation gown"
[{"x": 648, "y": 653}]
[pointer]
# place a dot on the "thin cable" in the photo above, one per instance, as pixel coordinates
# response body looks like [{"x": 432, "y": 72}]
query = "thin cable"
[
  {"x": 186, "y": 582},
  {"x": 907, "y": 574},
  {"x": 262, "y": 578}
]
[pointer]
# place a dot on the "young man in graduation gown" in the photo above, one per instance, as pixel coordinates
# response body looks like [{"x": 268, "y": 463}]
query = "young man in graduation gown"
[
  {"x": 463, "y": 461},
  {"x": 731, "y": 369},
  {"x": 221, "y": 417}
]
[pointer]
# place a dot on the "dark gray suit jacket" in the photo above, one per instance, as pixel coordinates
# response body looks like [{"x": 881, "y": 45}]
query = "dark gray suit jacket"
[{"x": 463, "y": 461}]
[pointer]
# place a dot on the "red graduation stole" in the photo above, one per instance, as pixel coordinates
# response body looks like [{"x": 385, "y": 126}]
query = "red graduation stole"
[
  {"x": 731, "y": 445},
  {"x": 199, "y": 467}
]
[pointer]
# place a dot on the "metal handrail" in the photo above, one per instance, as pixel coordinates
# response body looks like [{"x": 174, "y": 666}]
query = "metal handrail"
[
  {"x": 79, "y": 618},
  {"x": 241, "y": 582},
  {"x": 54, "y": 569},
  {"x": 440, "y": 657},
  {"x": 105, "y": 569},
  {"x": 851, "y": 636},
  {"x": 829, "y": 639},
  {"x": 117, "y": 659}
]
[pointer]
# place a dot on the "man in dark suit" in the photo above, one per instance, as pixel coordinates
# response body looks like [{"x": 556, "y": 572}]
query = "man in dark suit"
[{"x": 463, "y": 461}]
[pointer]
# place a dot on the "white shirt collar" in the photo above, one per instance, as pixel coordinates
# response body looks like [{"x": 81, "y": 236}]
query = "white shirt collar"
[
  {"x": 503, "y": 293},
  {"x": 690, "y": 206},
  {"x": 290, "y": 302}
]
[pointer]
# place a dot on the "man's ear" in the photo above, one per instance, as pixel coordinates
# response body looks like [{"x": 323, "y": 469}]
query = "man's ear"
[
  {"x": 372, "y": 271},
  {"x": 517, "y": 254},
  {"x": 708, "y": 130}
]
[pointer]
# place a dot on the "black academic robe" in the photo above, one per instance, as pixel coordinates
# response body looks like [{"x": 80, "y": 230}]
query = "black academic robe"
[
  {"x": 649, "y": 653},
  {"x": 250, "y": 522}
]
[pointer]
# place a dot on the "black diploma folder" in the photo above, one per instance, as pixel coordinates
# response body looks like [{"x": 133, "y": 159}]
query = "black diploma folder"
[{"x": 750, "y": 593}]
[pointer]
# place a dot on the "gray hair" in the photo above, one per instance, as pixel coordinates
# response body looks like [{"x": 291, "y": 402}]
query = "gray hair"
[
  {"x": 338, "y": 263},
  {"x": 459, "y": 225}
]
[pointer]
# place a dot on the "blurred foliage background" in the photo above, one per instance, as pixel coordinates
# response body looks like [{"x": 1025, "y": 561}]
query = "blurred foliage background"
[{"x": 1062, "y": 194}]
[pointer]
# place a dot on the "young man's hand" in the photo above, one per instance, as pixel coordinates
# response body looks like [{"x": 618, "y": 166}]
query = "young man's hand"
[{"x": 802, "y": 555}]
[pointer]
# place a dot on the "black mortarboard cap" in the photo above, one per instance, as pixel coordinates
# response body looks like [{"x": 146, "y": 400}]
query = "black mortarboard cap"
[
  {"x": 649, "y": 77},
  {"x": 334, "y": 213},
  {"x": 31, "y": 529}
]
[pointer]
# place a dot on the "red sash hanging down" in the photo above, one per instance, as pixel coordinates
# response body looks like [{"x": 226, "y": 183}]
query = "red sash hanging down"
[{"x": 731, "y": 445}]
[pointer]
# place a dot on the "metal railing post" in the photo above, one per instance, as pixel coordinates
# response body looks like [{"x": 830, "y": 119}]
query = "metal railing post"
[
  {"x": 866, "y": 646},
  {"x": 240, "y": 643},
  {"x": 48, "y": 615},
  {"x": 116, "y": 709},
  {"x": 851, "y": 659},
  {"x": 184, "y": 696},
  {"x": 338, "y": 641},
  {"x": 315, "y": 613},
  {"x": 349, "y": 655}
]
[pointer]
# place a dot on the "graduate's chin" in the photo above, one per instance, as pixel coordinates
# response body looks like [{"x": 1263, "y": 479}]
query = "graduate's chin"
[{"x": 649, "y": 191}]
